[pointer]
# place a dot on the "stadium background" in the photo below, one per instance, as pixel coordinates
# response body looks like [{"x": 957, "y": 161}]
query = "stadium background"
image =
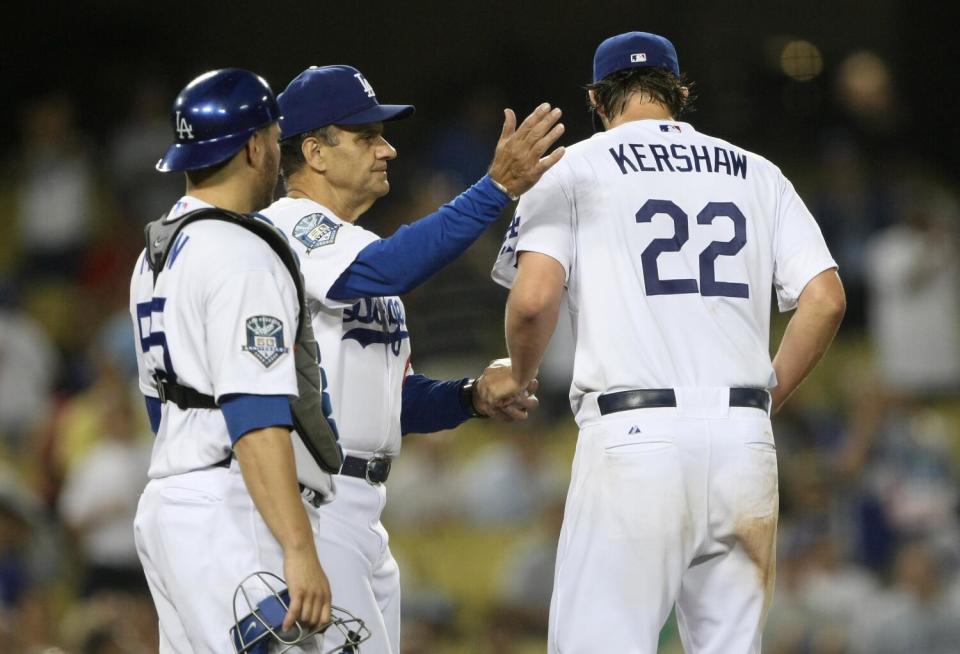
[{"x": 855, "y": 101}]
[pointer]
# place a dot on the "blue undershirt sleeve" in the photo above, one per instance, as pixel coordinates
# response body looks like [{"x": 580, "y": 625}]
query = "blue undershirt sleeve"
[
  {"x": 430, "y": 405},
  {"x": 245, "y": 413},
  {"x": 153, "y": 412},
  {"x": 415, "y": 252}
]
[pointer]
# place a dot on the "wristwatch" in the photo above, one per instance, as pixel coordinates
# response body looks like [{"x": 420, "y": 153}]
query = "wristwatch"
[{"x": 466, "y": 399}]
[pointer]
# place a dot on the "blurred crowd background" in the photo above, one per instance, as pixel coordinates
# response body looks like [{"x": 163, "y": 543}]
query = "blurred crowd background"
[{"x": 854, "y": 102}]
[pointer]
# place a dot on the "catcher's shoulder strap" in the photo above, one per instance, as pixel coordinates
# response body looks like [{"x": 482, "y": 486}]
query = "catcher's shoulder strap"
[
  {"x": 162, "y": 233},
  {"x": 309, "y": 418}
]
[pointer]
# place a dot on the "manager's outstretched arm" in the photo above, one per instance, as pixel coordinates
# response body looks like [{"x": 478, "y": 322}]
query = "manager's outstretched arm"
[
  {"x": 809, "y": 333},
  {"x": 531, "y": 316},
  {"x": 399, "y": 263}
]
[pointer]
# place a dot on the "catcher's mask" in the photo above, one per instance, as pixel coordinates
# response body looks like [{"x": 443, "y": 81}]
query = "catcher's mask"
[{"x": 259, "y": 631}]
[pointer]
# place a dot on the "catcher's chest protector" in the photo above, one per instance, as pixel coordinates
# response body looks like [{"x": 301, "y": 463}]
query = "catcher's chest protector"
[{"x": 309, "y": 418}]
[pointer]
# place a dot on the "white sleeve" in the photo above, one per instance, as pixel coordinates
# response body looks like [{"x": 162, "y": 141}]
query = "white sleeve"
[
  {"x": 250, "y": 331},
  {"x": 542, "y": 223},
  {"x": 326, "y": 247},
  {"x": 800, "y": 253}
]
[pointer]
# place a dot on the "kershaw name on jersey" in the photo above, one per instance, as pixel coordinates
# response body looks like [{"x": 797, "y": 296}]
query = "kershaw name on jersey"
[{"x": 678, "y": 158}]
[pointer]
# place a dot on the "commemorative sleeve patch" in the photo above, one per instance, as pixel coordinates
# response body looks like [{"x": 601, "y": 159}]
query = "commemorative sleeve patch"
[
  {"x": 265, "y": 339},
  {"x": 315, "y": 231}
]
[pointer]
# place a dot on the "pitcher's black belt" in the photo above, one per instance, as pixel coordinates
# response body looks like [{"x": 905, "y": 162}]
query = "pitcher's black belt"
[
  {"x": 655, "y": 398},
  {"x": 375, "y": 470}
]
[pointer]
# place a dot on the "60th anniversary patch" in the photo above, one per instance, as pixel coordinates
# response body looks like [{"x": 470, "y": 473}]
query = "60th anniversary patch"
[
  {"x": 315, "y": 231},
  {"x": 265, "y": 339}
]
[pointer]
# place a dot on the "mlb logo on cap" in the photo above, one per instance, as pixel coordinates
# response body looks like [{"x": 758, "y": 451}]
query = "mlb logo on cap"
[{"x": 634, "y": 50}]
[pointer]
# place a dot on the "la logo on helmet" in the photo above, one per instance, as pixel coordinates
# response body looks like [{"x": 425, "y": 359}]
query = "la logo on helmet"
[
  {"x": 184, "y": 129},
  {"x": 366, "y": 84}
]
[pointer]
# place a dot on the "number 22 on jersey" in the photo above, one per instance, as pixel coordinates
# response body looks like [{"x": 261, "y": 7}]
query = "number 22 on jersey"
[{"x": 708, "y": 284}]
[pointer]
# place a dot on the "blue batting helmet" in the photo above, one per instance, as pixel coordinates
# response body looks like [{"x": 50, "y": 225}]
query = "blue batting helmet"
[{"x": 214, "y": 116}]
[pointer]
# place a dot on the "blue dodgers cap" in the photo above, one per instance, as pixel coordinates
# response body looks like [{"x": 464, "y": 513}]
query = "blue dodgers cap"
[
  {"x": 215, "y": 115},
  {"x": 332, "y": 95},
  {"x": 634, "y": 50}
]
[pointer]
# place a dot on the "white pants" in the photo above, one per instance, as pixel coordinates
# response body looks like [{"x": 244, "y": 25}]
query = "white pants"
[
  {"x": 198, "y": 536},
  {"x": 355, "y": 553},
  {"x": 682, "y": 510}
]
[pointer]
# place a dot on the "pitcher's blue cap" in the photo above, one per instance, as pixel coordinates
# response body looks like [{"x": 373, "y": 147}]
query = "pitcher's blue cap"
[
  {"x": 634, "y": 50},
  {"x": 332, "y": 95}
]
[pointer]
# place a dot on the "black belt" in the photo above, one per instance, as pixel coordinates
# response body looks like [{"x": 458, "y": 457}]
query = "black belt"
[
  {"x": 654, "y": 398},
  {"x": 313, "y": 497},
  {"x": 375, "y": 470}
]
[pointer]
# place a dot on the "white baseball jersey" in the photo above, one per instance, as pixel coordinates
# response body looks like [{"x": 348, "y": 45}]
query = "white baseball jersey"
[
  {"x": 669, "y": 240},
  {"x": 222, "y": 320},
  {"x": 364, "y": 344}
]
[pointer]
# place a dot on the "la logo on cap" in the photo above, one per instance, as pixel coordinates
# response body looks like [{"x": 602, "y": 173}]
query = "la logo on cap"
[
  {"x": 639, "y": 56},
  {"x": 366, "y": 85}
]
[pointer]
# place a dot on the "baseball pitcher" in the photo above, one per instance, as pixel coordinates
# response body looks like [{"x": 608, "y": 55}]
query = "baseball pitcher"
[{"x": 666, "y": 243}]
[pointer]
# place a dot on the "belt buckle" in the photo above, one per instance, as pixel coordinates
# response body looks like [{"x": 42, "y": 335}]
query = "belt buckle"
[{"x": 378, "y": 468}]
